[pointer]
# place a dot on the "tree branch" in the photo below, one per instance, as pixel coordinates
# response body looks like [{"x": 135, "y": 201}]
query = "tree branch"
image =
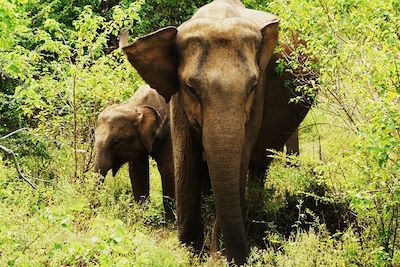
[
  {"x": 20, "y": 174},
  {"x": 10, "y": 134},
  {"x": 75, "y": 125}
]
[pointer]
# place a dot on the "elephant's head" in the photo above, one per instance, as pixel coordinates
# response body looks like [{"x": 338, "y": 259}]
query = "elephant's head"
[
  {"x": 217, "y": 65},
  {"x": 122, "y": 134}
]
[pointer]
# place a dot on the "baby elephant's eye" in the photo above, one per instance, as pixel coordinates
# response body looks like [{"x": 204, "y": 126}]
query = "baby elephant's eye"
[{"x": 115, "y": 142}]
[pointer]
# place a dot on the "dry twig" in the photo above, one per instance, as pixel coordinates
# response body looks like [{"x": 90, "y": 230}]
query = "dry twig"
[
  {"x": 20, "y": 173},
  {"x": 10, "y": 134}
]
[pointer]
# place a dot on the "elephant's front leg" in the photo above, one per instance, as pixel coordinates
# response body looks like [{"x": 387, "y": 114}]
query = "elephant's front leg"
[
  {"x": 292, "y": 144},
  {"x": 187, "y": 159},
  {"x": 165, "y": 165},
  {"x": 139, "y": 174}
]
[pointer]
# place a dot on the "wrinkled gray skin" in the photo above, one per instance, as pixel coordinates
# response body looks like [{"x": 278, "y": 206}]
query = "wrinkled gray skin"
[
  {"x": 215, "y": 69},
  {"x": 131, "y": 132}
]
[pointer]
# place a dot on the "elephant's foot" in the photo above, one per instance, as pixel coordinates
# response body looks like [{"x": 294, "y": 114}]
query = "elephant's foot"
[
  {"x": 141, "y": 197},
  {"x": 193, "y": 237}
]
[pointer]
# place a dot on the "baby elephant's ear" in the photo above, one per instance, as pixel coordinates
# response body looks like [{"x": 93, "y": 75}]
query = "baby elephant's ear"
[
  {"x": 154, "y": 57},
  {"x": 149, "y": 125}
]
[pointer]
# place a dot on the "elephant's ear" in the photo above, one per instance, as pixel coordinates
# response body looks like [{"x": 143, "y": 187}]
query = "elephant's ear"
[
  {"x": 154, "y": 57},
  {"x": 270, "y": 39},
  {"x": 268, "y": 25},
  {"x": 149, "y": 124}
]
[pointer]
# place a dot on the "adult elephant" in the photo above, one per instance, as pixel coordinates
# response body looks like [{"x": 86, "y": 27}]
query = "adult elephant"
[
  {"x": 213, "y": 69},
  {"x": 281, "y": 116}
]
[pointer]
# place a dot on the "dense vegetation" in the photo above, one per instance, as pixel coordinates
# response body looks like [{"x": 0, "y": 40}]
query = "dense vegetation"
[{"x": 60, "y": 66}]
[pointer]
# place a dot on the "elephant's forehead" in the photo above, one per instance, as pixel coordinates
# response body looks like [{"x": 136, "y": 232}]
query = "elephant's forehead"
[
  {"x": 115, "y": 125},
  {"x": 208, "y": 30},
  {"x": 110, "y": 114},
  {"x": 115, "y": 117}
]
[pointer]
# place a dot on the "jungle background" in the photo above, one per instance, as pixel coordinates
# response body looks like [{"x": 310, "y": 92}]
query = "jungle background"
[{"x": 337, "y": 204}]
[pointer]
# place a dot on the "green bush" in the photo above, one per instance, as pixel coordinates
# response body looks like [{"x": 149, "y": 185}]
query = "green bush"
[{"x": 60, "y": 66}]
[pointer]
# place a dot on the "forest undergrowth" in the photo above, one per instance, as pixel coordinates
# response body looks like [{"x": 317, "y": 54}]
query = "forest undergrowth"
[{"x": 337, "y": 204}]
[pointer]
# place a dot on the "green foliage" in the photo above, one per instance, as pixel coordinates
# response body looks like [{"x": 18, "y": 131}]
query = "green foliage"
[
  {"x": 79, "y": 224},
  {"x": 311, "y": 249},
  {"x": 156, "y": 14},
  {"x": 355, "y": 123},
  {"x": 60, "y": 66}
]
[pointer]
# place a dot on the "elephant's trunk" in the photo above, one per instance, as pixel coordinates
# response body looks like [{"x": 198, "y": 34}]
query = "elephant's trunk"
[
  {"x": 101, "y": 165},
  {"x": 223, "y": 141}
]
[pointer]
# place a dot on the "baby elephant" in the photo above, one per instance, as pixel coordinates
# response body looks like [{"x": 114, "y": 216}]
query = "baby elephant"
[{"x": 132, "y": 131}]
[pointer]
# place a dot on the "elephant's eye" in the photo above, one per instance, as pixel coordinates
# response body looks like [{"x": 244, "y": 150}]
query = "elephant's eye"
[
  {"x": 115, "y": 142},
  {"x": 192, "y": 91},
  {"x": 252, "y": 84},
  {"x": 251, "y": 90}
]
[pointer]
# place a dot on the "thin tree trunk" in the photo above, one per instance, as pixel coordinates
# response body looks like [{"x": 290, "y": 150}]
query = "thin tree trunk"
[{"x": 75, "y": 127}]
